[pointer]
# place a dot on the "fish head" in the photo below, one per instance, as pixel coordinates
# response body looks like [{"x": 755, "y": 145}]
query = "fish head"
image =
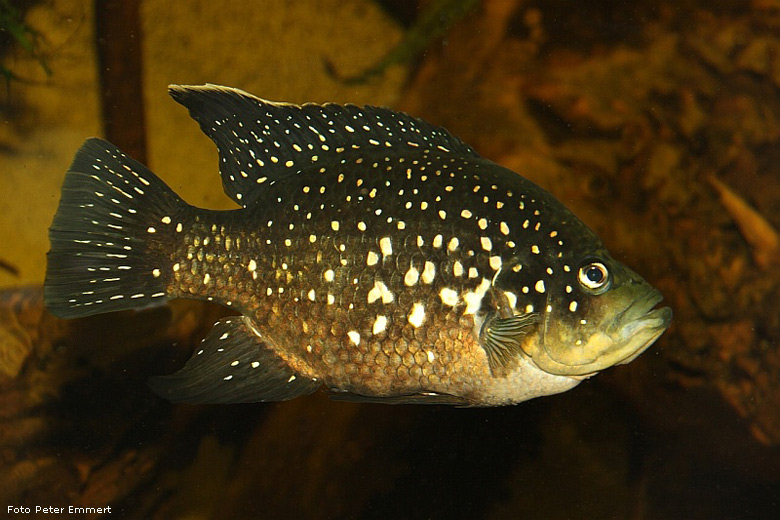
[{"x": 608, "y": 318}]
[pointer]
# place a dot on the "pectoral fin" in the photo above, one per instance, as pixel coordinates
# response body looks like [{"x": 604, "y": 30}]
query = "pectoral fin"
[
  {"x": 234, "y": 364},
  {"x": 502, "y": 337}
]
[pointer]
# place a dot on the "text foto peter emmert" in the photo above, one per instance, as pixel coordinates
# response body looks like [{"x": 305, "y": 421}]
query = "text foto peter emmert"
[{"x": 71, "y": 510}]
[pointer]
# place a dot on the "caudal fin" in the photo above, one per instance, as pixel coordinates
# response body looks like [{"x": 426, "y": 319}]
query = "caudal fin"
[{"x": 109, "y": 235}]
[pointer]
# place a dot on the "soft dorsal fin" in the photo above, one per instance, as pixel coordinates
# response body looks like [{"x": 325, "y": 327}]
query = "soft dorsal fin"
[{"x": 262, "y": 141}]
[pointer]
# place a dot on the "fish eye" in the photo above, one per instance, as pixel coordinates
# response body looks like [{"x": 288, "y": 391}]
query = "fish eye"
[{"x": 594, "y": 276}]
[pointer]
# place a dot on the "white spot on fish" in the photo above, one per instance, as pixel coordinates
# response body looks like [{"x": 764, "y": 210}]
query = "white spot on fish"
[
  {"x": 411, "y": 277},
  {"x": 372, "y": 258},
  {"x": 457, "y": 268},
  {"x": 380, "y": 290},
  {"x": 453, "y": 244},
  {"x": 573, "y": 306},
  {"x": 329, "y": 275},
  {"x": 448, "y": 296},
  {"x": 429, "y": 272},
  {"x": 539, "y": 286},
  {"x": 380, "y": 324},
  {"x": 437, "y": 241},
  {"x": 386, "y": 246},
  {"x": 486, "y": 243},
  {"x": 354, "y": 337},
  {"x": 417, "y": 315},
  {"x": 312, "y": 295},
  {"x": 511, "y": 297},
  {"x": 334, "y": 225},
  {"x": 473, "y": 298},
  {"x": 252, "y": 265},
  {"x": 495, "y": 263}
]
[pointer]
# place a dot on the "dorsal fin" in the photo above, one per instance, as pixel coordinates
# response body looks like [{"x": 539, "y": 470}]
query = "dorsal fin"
[{"x": 262, "y": 141}]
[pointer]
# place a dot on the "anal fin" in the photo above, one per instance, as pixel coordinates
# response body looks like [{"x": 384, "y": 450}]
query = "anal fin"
[{"x": 233, "y": 365}]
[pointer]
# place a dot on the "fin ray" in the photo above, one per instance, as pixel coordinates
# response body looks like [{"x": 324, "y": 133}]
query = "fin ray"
[
  {"x": 233, "y": 365},
  {"x": 501, "y": 337},
  {"x": 100, "y": 259},
  {"x": 261, "y": 141}
]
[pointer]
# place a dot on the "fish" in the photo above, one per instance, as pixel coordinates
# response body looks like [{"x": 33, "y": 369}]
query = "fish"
[{"x": 371, "y": 253}]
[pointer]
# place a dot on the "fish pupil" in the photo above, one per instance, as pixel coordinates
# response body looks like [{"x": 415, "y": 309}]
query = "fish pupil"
[
  {"x": 594, "y": 274},
  {"x": 594, "y": 277}
]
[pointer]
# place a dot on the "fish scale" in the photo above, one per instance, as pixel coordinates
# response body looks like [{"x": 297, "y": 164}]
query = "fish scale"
[
  {"x": 374, "y": 254},
  {"x": 295, "y": 270}
]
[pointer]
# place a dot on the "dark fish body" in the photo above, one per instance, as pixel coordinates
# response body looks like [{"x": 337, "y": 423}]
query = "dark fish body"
[{"x": 374, "y": 254}]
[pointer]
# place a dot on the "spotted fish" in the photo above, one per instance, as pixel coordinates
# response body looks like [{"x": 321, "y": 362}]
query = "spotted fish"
[{"x": 373, "y": 254}]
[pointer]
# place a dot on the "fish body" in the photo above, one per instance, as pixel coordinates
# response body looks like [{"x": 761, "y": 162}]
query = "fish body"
[{"x": 373, "y": 253}]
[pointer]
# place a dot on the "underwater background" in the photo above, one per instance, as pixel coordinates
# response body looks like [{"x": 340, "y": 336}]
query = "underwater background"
[{"x": 657, "y": 123}]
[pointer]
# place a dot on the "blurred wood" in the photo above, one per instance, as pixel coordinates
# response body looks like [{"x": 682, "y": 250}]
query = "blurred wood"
[{"x": 119, "y": 43}]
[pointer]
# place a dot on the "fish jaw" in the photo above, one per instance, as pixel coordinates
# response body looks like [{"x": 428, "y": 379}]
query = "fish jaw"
[
  {"x": 614, "y": 339},
  {"x": 643, "y": 330}
]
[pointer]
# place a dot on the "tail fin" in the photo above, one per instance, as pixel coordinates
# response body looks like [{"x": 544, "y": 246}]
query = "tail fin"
[{"x": 108, "y": 237}]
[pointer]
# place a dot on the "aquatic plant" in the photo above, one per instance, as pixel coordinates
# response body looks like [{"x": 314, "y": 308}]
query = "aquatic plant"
[{"x": 14, "y": 30}]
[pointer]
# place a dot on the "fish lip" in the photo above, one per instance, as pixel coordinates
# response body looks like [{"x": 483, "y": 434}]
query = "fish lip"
[
  {"x": 641, "y": 314},
  {"x": 641, "y": 317},
  {"x": 634, "y": 329},
  {"x": 629, "y": 332}
]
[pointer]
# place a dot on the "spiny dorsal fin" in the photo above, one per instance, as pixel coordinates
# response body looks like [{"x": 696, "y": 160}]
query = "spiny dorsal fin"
[
  {"x": 261, "y": 141},
  {"x": 233, "y": 365}
]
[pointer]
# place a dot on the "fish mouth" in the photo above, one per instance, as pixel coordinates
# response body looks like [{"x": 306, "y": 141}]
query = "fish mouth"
[
  {"x": 621, "y": 337},
  {"x": 639, "y": 325}
]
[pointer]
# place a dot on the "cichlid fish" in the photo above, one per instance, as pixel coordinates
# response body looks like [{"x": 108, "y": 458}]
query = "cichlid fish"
[{"x": 374, "y": 254}]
